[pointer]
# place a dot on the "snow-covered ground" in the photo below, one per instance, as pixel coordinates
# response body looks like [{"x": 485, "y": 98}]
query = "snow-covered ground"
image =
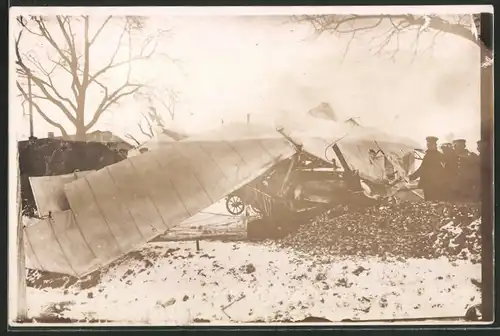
[{"x": 173, "y": 283}]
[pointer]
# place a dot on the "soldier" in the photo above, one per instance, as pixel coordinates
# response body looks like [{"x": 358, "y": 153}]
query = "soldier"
[
  {"x": 446, "y": 146},
  {"x": 466, "y": 184},
  {"x": 450, "y": 171},
  {"x": 431, "y": 171}
]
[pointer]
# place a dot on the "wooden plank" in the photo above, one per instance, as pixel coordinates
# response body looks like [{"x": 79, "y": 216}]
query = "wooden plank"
[
  {"x": 47, "y": 249},
  {"x": 133, "y": 195},
  {"x": 217, "y": 228},
  {"x": 91, "y": 222},
  {"x": 156, "y": 183},
  {"x": 74, "y": 246},
  {"x": 115, "y": 212},
  {"x": 183, "y": 179}
]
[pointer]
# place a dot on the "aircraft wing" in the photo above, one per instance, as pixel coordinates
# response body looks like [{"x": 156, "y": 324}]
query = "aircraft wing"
[
  {"x": 48, "y": 191},
  {"x": 356, "y": 145},
  {"x": 375, "y": 154},
  {"x": 117, "y": 209}
]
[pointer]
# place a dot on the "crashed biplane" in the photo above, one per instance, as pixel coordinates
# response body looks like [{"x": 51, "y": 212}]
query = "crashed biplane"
[{"x": 110, "y": 212}]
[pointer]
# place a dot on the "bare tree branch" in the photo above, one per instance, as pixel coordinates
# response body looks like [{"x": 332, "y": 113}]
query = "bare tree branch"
[
  {"x": 76, "y": 61},
  {"x": 131, "y": 137},
  {"x": 45, "y": 33},
  {"x": 76, "y": 86},
  {"x": 39, "y": 110},
  {"x": 167, "y": 98},
  {"x": 154, "y": 118},
  {"x": 171, "y": 104},
  {"x": 50, "y": 84},
  {"x": 110, "y": 63},
  {"x": 111, "y": 99},
  {"x": 403, "y": 23},
  {"x": 149, "y": 133},
  {"x": 86, "y": 58},
  {"x": 43, "y": 85},
  {"x": 100, "y": 30},
  {"x": 143, "y": 55}
]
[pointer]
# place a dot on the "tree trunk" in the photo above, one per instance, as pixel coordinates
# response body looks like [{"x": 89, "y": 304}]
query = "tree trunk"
[
  {"x": 81, "y": 130},
  {"x": 21, "y": 258},
  {"x": 80, "y": 133}
]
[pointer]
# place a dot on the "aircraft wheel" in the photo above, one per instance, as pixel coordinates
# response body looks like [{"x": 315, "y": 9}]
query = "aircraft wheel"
[{"x": 235, "y": 205}]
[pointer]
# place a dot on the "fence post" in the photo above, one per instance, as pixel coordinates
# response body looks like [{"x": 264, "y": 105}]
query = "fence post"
[{"x": 21, "y": 259}]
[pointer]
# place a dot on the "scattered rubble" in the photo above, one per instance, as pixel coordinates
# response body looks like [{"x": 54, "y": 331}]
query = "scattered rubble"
[
  {"x": 406, "y": 230},
  {"x": 248, "y": 268}
]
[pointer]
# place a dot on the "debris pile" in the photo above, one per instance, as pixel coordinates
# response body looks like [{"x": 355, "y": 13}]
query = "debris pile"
[{"x": 405, "y": 230}]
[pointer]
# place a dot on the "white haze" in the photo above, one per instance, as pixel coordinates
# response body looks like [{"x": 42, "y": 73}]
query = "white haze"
[{"x": 270, "y": 67}]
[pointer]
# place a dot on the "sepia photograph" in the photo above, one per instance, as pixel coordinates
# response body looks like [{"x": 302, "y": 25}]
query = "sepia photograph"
[{"x": 250, "y": 165}]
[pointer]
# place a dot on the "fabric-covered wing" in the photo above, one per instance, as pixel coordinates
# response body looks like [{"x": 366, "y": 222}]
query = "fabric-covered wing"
[
  {"x": 357, "y": 144},
  {"x": 120, "y": 207},
  {"x": 48, "y": 191},
  {"x": 376, "y": 155}
]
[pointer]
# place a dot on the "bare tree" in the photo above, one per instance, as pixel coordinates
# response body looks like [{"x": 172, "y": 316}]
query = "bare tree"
[
  {"x": 153, "y": 119},
  {"x": 166, "y": 99},
  {"x": 72, "y": 41},
  {"x": 385, "y": 30}
]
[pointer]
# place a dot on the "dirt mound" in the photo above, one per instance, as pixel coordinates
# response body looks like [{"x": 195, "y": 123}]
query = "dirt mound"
[{"x": 406, "y": 230}]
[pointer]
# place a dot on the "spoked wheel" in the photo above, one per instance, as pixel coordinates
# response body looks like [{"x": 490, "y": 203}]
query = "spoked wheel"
[{"x": 235, "y": 205}]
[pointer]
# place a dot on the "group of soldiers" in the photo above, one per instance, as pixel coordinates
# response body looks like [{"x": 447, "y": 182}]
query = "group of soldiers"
[{"x": 452, "y": 174}]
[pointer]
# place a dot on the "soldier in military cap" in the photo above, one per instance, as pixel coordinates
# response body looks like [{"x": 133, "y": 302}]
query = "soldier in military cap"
[
  {"x": 431, "y": 171},
  {"x": 450, "y": 170},
  {"x": 447, "y": 145},
  {"x": 460, "y": 146},
  {"x": 465, "y": 188}
]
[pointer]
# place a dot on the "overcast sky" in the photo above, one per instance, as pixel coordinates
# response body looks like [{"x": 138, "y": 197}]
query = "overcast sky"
[{"x": 271, "y": 67}]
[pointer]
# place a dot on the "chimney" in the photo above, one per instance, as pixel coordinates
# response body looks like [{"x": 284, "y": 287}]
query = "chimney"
[
  {"x": 248, "y": 118},
  {"x": 50, "y": 135}
]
